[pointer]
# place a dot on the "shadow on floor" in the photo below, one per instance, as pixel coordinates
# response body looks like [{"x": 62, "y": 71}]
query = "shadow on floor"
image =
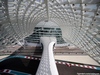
[
  {"x": 19, "y": 64},
  {"x": 29, "y": 51}
]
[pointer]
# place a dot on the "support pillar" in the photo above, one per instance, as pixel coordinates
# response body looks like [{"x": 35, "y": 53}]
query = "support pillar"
[{"x": 47, "y": 64}]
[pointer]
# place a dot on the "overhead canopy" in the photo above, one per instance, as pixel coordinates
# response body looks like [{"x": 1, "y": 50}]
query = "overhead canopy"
[{"x": 79, "y": 21}]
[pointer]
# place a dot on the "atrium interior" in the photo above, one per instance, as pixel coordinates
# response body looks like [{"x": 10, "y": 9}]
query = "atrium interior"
[{"x": 74, "y": 23}]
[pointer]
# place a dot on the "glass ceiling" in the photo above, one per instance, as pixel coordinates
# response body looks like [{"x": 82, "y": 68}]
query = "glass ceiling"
[{"x": 79, "y": 21}]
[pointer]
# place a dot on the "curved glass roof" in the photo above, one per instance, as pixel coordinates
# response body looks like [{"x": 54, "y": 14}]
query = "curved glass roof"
[{"x": 79, "y": 21}]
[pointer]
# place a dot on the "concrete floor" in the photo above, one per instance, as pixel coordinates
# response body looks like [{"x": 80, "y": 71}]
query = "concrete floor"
[
  {"x": 1, "y": 57},
  {"x": 69, "y": 57},
  {"x": 77, "y": 58}
]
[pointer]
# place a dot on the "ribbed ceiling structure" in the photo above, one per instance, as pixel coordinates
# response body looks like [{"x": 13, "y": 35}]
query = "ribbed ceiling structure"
[{"x": 79, "y": 21}]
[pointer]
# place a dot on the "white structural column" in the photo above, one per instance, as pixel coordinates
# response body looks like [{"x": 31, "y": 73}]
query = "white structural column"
[{"x": 47, "y": 64}]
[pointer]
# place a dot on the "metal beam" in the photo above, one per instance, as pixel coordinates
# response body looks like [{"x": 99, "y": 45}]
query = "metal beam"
[{"x": 47, "y": 8}]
